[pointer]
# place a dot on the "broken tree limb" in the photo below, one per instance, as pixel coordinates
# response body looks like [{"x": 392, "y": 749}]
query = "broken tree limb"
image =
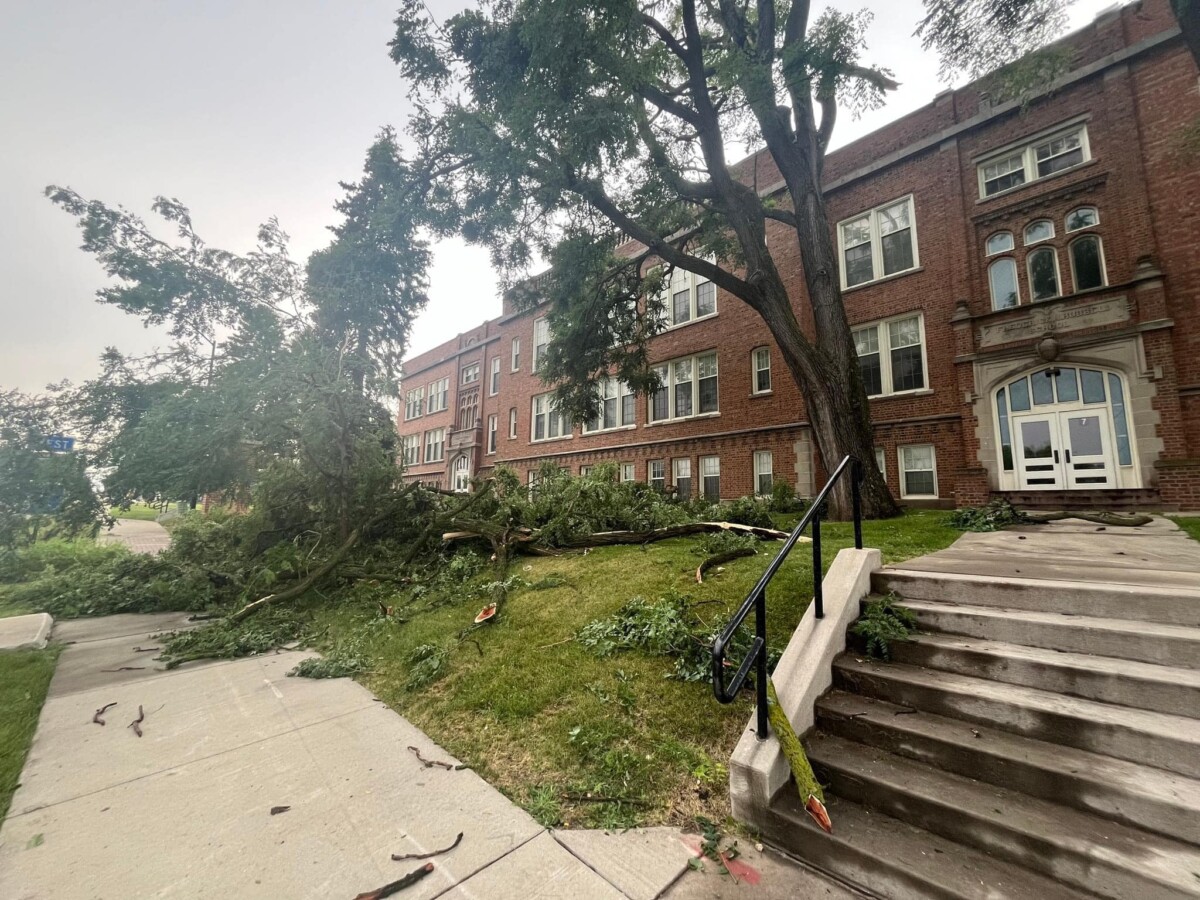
[
  {"x": 400, "y": 857},
  {"x": 136, "y": 724},
  {"x": 398, "y": 885},
  {"x": 718, "y": 558},
  {"x": 97, "y": 718},
  {"x": 296, "y": 590},
  {"x": 1100, "y": 518},
  {"x": 793, "y": 752},
  {"x": 609, "y": 538}
]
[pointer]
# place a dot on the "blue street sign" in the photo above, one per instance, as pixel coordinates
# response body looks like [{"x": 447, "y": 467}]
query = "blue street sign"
[{"x": 60, "y": 444}]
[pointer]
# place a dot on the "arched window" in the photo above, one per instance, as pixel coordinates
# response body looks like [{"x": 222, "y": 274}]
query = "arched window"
[
  {"x": 1002, "y": 276},
  {"x": 1000, "y": 242},
  {"x": 1087, "y": 262},
  {"x": 1036, "y": 232},
  {"x": 1043, "y": 273},
  {"x": 1084, "y": 217}
]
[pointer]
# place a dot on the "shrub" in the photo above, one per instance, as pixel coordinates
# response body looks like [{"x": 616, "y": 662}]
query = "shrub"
[
  {"x": 784, "y": 499},
  {"x": 748, "y": 511}
]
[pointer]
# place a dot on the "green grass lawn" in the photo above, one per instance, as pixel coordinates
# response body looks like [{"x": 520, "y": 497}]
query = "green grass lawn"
[
  {"x": 141, "y": 511},
  {"x": 24, "y": 678},
  {"x": 1190, "y": 524},
  {"x": 548, "y": 722}
]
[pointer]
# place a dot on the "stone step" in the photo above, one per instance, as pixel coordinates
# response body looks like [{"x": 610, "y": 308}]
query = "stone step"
[
  {"x": 1128, "y": 499},
  {"x": 1168, "y": 645},
  {"x": 1142, "y": 736},
  {"x": 1168, "y": 689},
  {"x": 1094, "y": 854},
  {"x": 1169, "y": 605},
  {"x": 886, "y": 857},
  {"x": 1127, "y": 792}
]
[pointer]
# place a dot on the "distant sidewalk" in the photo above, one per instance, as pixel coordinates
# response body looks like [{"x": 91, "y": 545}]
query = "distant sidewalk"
[{"x": 138, "y": 535}]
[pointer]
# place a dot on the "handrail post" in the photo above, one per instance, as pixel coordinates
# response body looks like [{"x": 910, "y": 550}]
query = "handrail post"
[
  {"x": 856, "y": 477},
  {"x": 818, "y": 575},
  {"x": 760, "y": 677}
]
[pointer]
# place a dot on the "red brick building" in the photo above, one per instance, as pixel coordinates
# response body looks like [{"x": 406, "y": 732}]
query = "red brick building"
[{"x": 1024, "y": 287}]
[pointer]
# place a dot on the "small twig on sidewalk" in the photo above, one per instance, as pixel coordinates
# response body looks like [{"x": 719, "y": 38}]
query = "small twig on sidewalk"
[
  {"x": 430, "y": 763},
  {"x": 125, "y": 669},
  {"x": 725, "y": 863},
  {"x": 107, "y": 706},
  {"x": 396, "y": 886},
  {"x": 136, "y": 724},
  {"x": 146, "y": 649},
  {"x": 400, "y": 857}
]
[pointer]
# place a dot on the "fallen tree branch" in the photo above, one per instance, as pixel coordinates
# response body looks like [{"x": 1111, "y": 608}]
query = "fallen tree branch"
[
  {"x": 398, "y": 885},
  {"x": 609, "y": 538},
  {"x": 400, "y": 857},
  {"x": 313, "y": 577},
  {"x": 717, "y": 558},
  {"x": 1100, "y": 518},
  {"x": 430, "y": 763},
  {"x": 136, "y": 724},
  {"x": 107, "y": 706}
]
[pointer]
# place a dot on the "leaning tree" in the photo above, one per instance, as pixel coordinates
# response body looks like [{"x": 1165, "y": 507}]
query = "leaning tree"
[{"x": 564, "y": 129}]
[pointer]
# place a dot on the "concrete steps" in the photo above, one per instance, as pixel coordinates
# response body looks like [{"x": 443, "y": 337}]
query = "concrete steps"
[
  {"x": 1124, "y": 791},
  {"x": 1122, "y": 499},
  {"x": 1032, "y": 740},
  {"x": 1167, "y": 645},
  {"x": 1085, "y": 851},
  {"x": 1169, "y": 689},
  {"x": 887, "y": 857}
]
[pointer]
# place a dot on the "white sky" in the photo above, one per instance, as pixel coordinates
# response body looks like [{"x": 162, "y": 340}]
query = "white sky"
[{"x": 242, "y": 109}]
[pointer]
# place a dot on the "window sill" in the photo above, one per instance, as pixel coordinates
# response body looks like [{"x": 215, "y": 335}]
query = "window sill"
[
  {"x": 711, "y": 415},
  {"x": 918, "y": 392},
  {"x": 689, "y": 322},
  {"x": 760, "y": 394},
  {"x": 551, "y": 440},
  {"x": 610, "y": 430},
  {"x": 866, "y": 284},
  {"x": 919, "y": 497}
]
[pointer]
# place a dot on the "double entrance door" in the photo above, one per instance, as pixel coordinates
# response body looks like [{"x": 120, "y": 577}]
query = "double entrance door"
[{"x": 1065, "y": 450}]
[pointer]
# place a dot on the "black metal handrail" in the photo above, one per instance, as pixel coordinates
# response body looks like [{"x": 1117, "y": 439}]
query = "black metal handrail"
[{"x": 757, "y": 598}]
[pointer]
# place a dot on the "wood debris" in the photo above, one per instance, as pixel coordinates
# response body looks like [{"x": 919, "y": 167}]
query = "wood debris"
[
  {"x": 400, "y": 857},
  {"x": 100, "y": 712}
]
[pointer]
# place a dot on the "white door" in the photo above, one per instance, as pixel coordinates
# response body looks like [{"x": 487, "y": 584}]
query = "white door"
[
  {"x": 1087, "y": 448},
  {"x": 1039, "y": 457},
  {"x": 462, "y": 475}
]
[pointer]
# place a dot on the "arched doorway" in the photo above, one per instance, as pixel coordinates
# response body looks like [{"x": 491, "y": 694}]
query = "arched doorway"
[
  {"x": 460, "y": 476},
  {"x": 1066, "y": 427}
]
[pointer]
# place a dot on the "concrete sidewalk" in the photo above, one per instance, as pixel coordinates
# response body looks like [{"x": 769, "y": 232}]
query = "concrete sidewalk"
[
  {"x": 185, "y": 810},
  {"x": 138, "y": 535}
]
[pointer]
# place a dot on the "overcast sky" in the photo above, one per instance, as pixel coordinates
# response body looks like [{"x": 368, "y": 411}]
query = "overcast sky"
[{"x": 242, "y": 109}]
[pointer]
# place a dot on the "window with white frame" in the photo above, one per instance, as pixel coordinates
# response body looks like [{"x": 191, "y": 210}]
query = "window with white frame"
[
  {"x": 414, "y": 403},
  {"x": 1038, "y": 158},
  {"x": 548, "y": 422},
  {"x": 1043, "y": 273},
  {"x": 689, "y": 297},
  {"x": 411, "y": 449},
  {"x": 439, "y": 394},
  {"x": 1084, "y": 217},
  {"x": 627, "y": 472},
  {"x": 617, "y": 407},
  {"x": 891, "y": 355},
  {"x": 516, "y": 354},
  {"x": 435, "y": 445},
  {"x": 470, "y": 374},
  {"x": 918, "y": 471},
  {"x": 585, "y": 471},
  {"x": 492, "y": 428},
  {"x": 764, "y": 472},
  {"x": 1087, "y": 262},
  {"x": 878, "y": 243},
  {"x": 1036, "y": 232},
  {"x": 460, "y": 478},
  {"x": 656, "y": 474},
  {"x": 1000, "y": 242},
  {"x": 512, "y": 423},
  {"x": 494, "y": 378},
  {"x": 535, "y": 478},
  {"x": 1002, "y": 280},
  {"x": 761, "y": 375},
  {"x": 881, "y": 463},
  {"x": 541, "y": 340},
  {"x": 681, "y": 470},
  {"x": 710, "y": 478},
  {"x": 688, "y": 388}
]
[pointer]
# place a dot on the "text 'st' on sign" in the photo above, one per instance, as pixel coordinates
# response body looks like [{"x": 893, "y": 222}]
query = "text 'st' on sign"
[{"x": 59, "y": 444}]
